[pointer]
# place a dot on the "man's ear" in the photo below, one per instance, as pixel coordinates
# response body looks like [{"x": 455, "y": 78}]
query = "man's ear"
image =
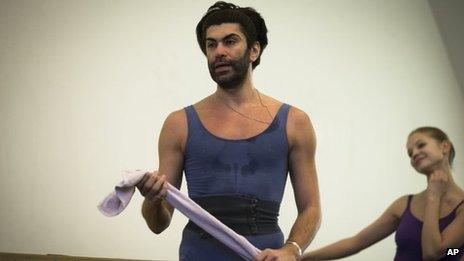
[{"x": 255, "y": 50}]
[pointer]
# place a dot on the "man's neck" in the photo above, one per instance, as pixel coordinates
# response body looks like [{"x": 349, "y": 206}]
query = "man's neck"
[{"x": 244, "y": 93}]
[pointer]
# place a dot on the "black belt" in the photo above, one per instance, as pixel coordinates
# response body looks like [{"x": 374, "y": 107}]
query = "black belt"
[{"x": 246, "y": 215}]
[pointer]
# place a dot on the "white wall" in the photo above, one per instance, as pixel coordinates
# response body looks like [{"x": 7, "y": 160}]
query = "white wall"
[
  {"x": 86, "y": 85},
  {"x": 448, "y": 15}
]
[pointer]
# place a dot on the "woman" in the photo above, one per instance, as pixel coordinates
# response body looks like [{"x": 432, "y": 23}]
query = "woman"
[{"x": 427, "y": 223}]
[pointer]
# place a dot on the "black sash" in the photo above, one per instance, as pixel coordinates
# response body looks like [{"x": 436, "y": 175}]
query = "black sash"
[{"x": 246, "y": 215}]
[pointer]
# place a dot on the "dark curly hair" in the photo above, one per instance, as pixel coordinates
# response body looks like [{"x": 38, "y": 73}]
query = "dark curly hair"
[{"x": 251, "y": 24}]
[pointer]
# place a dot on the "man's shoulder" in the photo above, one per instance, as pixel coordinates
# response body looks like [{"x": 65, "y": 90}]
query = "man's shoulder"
[
  {"x": 204, "y": 103},
  {"x": 176, "y": 115},
  {"x": 175, "y": 128},
  {"x": 299, "y": 128},
  {"x": 297, "y": 116},
  {"x": 176, "y": 120},
  {"x": 180, "y": 115}
]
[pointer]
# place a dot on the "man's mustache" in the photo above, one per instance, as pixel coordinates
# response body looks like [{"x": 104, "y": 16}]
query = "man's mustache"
[{"x": 222, "y": 62}]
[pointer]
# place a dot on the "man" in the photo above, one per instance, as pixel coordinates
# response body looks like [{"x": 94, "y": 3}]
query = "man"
[{"x": 236, "y": 147}]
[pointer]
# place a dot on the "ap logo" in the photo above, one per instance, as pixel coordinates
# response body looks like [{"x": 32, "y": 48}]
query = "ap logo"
[{"x": 452, "y": 251}]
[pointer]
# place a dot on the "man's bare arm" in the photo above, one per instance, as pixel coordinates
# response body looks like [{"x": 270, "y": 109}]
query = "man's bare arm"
[
  {"x": 156, "y": 211},
  {"x": 303, "y": 176},
  {"x": 302, "y": 145}
]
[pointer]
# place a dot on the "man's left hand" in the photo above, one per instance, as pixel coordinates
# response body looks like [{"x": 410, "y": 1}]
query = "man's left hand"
[{"x": 285, "y": 253}]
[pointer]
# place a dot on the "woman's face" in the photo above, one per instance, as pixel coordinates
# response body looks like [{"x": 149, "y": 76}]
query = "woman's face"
[{"x": 426, "y": 153}]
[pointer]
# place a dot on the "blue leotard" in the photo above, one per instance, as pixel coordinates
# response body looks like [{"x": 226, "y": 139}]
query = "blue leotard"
[{"x": 255, "y": 166}]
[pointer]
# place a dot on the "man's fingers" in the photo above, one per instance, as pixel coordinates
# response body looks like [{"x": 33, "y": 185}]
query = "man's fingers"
[
  {"x": 163, "y": 191},
  {"x": 159, "y": 188},
  {"x": 148, "y": 185},
  {"x": 270, "y": 257},
  {"x": 156, "y": 188},
  {"x": 151, "y": 195},
  {"x": 153, "y": 186},
  {"x": 159, "y": 182},
  {"x": 142, "y": 181},
  {"x": 262, "y": 256}
]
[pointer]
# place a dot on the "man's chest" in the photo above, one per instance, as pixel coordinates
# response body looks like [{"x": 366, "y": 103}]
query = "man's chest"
[{"x": 233, "y": 125}]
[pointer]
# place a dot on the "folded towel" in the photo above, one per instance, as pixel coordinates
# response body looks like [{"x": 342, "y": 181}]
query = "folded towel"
[{"x": 117, "y": 201}]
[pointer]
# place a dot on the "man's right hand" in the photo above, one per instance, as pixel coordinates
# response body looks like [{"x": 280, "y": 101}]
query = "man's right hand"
[{"x": 153, "y": 186}]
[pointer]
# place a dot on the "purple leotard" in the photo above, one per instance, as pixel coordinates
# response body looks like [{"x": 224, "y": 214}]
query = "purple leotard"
[{"x": 408, "y": 235}]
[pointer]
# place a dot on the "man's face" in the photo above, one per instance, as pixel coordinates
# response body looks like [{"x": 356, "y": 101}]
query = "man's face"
[{"x": 227, "y": 54}]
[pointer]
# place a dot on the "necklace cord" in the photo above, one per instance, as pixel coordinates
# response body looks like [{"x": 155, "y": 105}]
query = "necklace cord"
[{"x": 246, "y": 116}]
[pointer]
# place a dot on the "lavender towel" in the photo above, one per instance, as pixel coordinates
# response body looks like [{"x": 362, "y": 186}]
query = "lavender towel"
[{"x": 117, "y": 201}]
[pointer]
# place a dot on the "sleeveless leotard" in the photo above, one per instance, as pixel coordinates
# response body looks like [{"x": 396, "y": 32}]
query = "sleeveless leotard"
[
  {"x": 408, "y": 235},
  {"x": 255, "y": 166}
]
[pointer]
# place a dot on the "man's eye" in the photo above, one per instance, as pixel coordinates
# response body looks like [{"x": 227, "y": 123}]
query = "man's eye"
[
  {"x": 421, "y": 145},
  {"x": 210, "y": 45},
  {"x": 230, "y": 42}
]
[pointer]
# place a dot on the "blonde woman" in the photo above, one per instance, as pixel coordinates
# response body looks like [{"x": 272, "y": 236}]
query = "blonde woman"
[{"x": 427, "y": 224}]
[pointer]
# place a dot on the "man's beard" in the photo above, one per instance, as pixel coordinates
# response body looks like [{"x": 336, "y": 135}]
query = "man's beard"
[{"x": 233, "y": 78}]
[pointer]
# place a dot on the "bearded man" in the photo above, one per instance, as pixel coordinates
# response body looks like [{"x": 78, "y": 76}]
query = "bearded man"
[{"x": 237, "y": 146}]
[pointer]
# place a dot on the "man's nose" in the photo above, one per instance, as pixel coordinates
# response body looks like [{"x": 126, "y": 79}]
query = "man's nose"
[{"x": 221, "y": 50}]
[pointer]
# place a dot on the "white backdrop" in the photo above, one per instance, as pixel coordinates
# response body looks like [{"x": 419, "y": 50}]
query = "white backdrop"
[{"x": 86, "y": 85}]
